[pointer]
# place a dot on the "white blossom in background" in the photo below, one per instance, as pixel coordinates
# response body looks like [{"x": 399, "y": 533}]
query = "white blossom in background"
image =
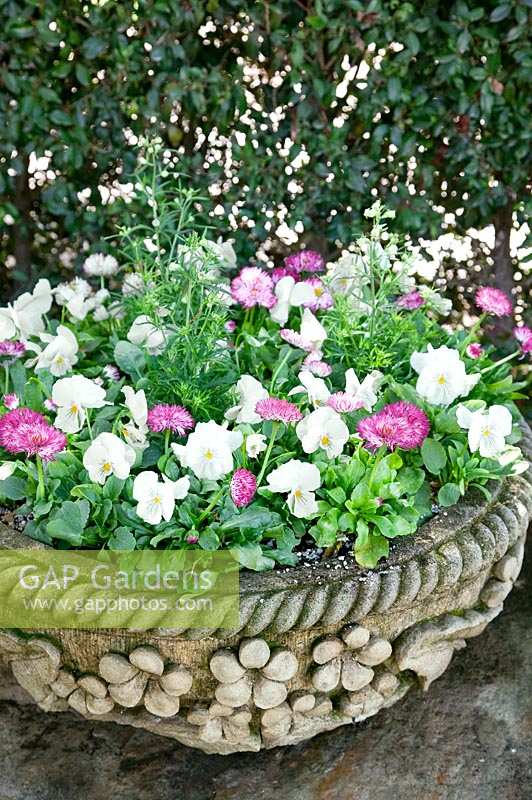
[
  {"x": 363, "y": 394},
  {"x": 288, "y": 294},
  {"x": 24, "y": 317},
  {"x": 73, "y": 396},
  {"x": 299, "y": 480},
  {"x": 435, "y": 301},
  {"x": 224, "y": 252},
  {"x": 250, "y": 391},
  {"x": 487, "y": 429},
  {"x": 316, "y": 389},
  {"x": 100, "y": 265},
  {"x": 60, "y": 353},
  {"x": 108, "y": 455},
  {"x": 442, "y": 375},
  {"x": 145, "y": 334},
  {"x": 133, "y": 284},
  {"x": 76, "y": 296},
  {"x": 323, "y": 429},
  {"x": 348, "y": 274},
  {"x": 209, "y": 450},
  {"x": 156, "y": 498},
  {"x": 255, "y": 444}
]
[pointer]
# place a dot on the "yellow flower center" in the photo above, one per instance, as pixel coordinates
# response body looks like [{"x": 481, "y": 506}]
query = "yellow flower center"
[
  {"x": 318, "y": 291},
  {"x": 156, "y": 500},
  {"x": 325, "y": 440},
  {"x": 106, "y": 467},
  {"x": 59, "y": 360},
  {"x": 298, "y": 493},
  {"x": 486, "y": 431},
  {"x": 209, "y": 455},
  {"x": 442, "y": 380},
  {"x": 74, "y": 408}
]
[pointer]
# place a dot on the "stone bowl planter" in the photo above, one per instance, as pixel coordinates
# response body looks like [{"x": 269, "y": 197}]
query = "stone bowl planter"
[{"x": 316, "y": 647}]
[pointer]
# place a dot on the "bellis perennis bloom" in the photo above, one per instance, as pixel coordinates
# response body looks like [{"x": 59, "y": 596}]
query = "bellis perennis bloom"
[
  {"x": 278, "y": 410},
  {"x": 253, "y": 287},
  {"x": 155, "y": 498},
  {"x": 487, "y": 429},
  {"x": 305, "y": 261},
  {"x": 209, "y": 450},
  {"x": 324, "y": 429},
  {"x": 108, "y": 455},
  {"x": 311, "y": 336},
  {"x": 400, "y": 424},
  {"x": 73, "y": 396},
  {"x": 25, "y": 431},
  {"x": 243, "y": 487},
  {"x": 410, "y": 301},
  {"x": 164, "y": 417},
  {"x": 442, "y": 376},
  {"x": 250, "y": 391},
  {"x": 493, "y": 301},
  {"x": 299, "y": 480},
  {"x": 524, "y": 337},
  {"x": 11, "y": 401},
  {"x": 11, "y": 350}
]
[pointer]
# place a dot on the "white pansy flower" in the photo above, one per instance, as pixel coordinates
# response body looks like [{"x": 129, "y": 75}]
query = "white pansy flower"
[
  {"x": 101, "y": 265},
  {"x": 155, "y": 498},
  {"x": 145, "y": 334},
  {"x": 73, "y": 396},
  {"x": 24, "y": 317},
  {"x": 7, "y": 469},
  {"x": 325, "y": 429},
  {"x": 442, "y": 375},
  {"x": 136, "y": 404},
  {"x": 60, "y": 353},
  {"x": 363, "y": 394},
  {"x": 514, "y": 456},
  {"x": 108, "y": 455},
  {"x": 250, "y": 391},
  {"x": 136, "y": 437},
  {"x": 299, "y": 480},
  {"x": 348, "y": 274},
  {"x": 255, "y": 444},
  {"x": 312, "y": 330},
  {"x": 224, "y": 252},
  {"x": 209, "y": 450},
  {"x": 288, "y": 294},
  {"x": 76, "y": 296},
  {"x": 487, "y": 429},
  {"x": 316, "y": 388}
]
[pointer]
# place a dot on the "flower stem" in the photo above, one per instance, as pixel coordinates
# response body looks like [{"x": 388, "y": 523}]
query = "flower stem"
[
  {"x": 211, "y": 505},
  {"x": 6, "y": 382},
  {"x": 473, "y": 331},
  {"x": 167, "y": 441},
  {"x": 278, "y": 370},
  {"x": 275, "y": 426},
  {"x": 89, "y": 426},
  {"x": 501, "y": 361},
  {"x": 41, "y": 490}
]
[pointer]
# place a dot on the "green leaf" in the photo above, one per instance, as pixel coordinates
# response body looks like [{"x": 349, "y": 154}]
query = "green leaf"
[
  {"x": 337, "y": 495},
  {"x": 82, "y": 74},
  {"x": 13, "y": 488},
  {"x": 69, "y": 521},
  {"x": 254, "y": 518},
  {"x": 252, "y": 557},
  {"x": 112, "y": 488},
  {"x": 411, "y": 479},
  {"x": 449, "y": 494},
  {"x": 370, "y": 547},
  {"x": 122, "y": 539},
  {"x": 130, "y": 358},
  {"x": 500, "y": 12},
  {"x": 433, "y": 455},
  {"x": 93, "y": 47},
  {"x": 208, "y": 540}
]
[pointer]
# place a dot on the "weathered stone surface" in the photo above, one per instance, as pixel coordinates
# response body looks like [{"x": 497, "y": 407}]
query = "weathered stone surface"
[
  {"x": 355, "y": 636},
  {"x": 327, "y": 649},
  {"x": 234, "y": 694},
  {"x": 225, "y": 667},
  {"x": 148, "y": 659},
  {"x": 93, "y": 685},
  {"x": 375, "y": 652},
  {"x": 176, "y": 680},
  {"x": 282, "y": 665},
  {"x": 129, "y": 694},
  {"x": 158, "y": 703},
  {"x": 268, "y": 694},
  {"x": 355, "y": 676},
  {"x": 115, "y": 668},
  {"x": 326, "y": 677},
  {"x": 253, "y": 653}
]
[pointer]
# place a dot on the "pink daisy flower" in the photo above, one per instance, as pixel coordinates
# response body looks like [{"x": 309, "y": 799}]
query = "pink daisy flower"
[
  {"x": 343, "y": 402},
  {"x": 314, "y": 364},
  {"x": 50, "y": 405},
  {"x": 294, "y": 338},
  {"x": 524, "y": 337},
  {"x": 165, "y": 417},
  {"x": 26, "y": 431},
  {"x": 493, "y": 301},
  {"x": 11, "y": 401},
  {"x": 111, "y": 372},
  {"x": 400, "y": 424},
  {"x": 474, "y": 350},
  {"x": 305, "y": 261},
  {"x": 322, "y": 297},
  {"x": 230, "y": 326},
  {"x": 243, "y": 487},
  {"x": 253, "y": 287},
  {"x": 12, "y": 349},
  {"x": 410, "y": 301},
  {"x": 273, "y": 408},
  {"x": 282, "y": 272},
  {"x": 192, "y": 538}
]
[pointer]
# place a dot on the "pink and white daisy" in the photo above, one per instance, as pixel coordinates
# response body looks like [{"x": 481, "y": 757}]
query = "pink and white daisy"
[
  {"x": 493, "y": 301},
  {"x": 230, "y": 326},
  {"x": 11, "y": 401},
  {"x": 401, "y": 424},
  {"x": 296, "y": 340},
  {"x": 410, "y": 301},
  {"x": 243, "y": 487},
  {"x": 253, "y": 287},
  {"x": 344, "y": 402},
  {"x": 322, "y": 298},
  {"x": 111, "y": 372},
  {"x": 281, "y": 272},
  {"x": 173, "y": 418},
  {"x": 314, "y": 364},
  {"x": 12, "y": 349},
  {"x": 524, "y": 337},
  {"x": 474, "y": 350},
  {"x": 305, "y": 261},
  {"x": 276, "y": 409},
  {"x": 25, "y": 431}
]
